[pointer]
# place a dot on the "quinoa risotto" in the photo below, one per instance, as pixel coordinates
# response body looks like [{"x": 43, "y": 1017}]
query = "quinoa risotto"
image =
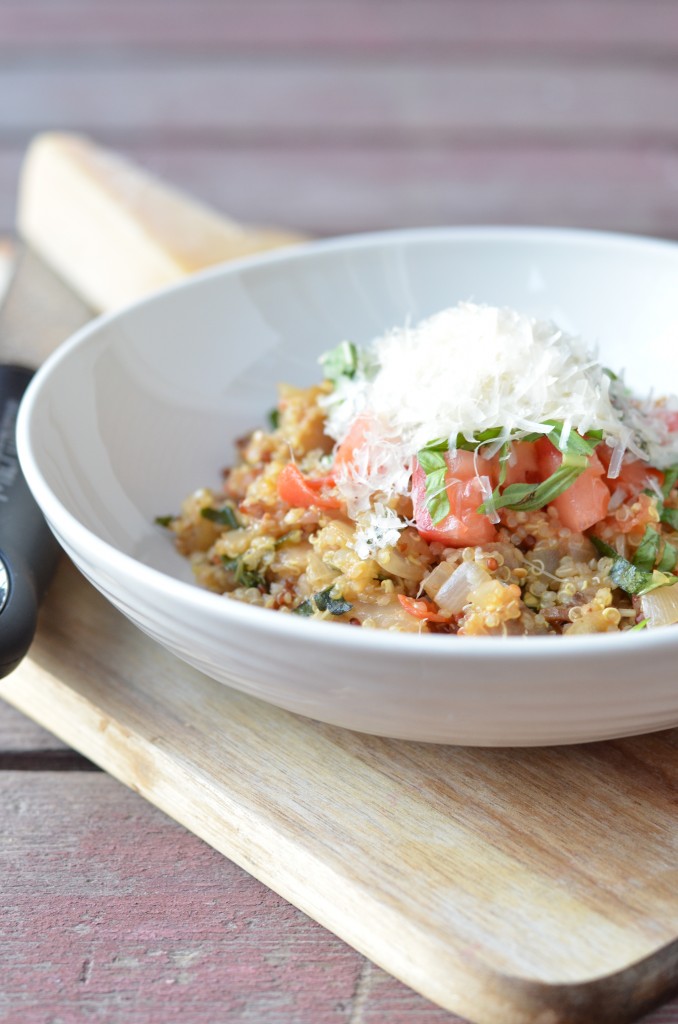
[{"x": 480, "y": 474}]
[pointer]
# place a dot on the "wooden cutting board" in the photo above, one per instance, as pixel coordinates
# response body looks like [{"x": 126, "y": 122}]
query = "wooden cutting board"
[{"x": 510, "y": 886}]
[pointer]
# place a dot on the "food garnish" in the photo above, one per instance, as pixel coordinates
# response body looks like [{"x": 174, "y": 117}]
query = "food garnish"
[{"x": 480, "y": 473}]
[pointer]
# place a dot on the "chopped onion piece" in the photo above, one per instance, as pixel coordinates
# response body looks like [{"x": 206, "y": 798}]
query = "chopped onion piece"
[
  {"x": 436, "y": 578},
  {"x": 455, "y": 593},
  {"x": 660, "y": 606},
  {"x": 617, "y": 499},
  {"x": 397, "y": 565}
]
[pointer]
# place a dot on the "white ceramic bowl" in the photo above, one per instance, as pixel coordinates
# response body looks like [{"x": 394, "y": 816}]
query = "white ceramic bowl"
[{"x": 140, "y": 408}]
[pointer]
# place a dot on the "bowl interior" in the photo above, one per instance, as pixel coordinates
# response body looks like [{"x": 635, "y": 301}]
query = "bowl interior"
[{"x": 144, "y": 406}]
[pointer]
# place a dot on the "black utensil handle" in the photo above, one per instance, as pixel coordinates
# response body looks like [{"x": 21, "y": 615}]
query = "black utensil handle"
[{"x": 28, "y": 551}]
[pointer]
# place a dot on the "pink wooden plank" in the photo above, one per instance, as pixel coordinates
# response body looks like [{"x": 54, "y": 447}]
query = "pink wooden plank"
[
  {"x": 345, "y": 188},
  {"x": 112, "y": 912},
  {"x": 399, "y": 101},
  {"x": 561, "y": 27},
  {"x": 19, "y": 735}
]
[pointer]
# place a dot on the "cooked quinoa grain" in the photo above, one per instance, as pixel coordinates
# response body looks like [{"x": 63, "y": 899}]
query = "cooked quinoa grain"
[{"x": 505, "y": 531}]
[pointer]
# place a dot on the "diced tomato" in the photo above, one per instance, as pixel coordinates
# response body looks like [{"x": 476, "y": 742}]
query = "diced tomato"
[
  {"x": 302, "y": 491},
  {"x": 523, "y": 465},
  {"x": 422, "y": 609},
  {"x": 635, "y": 475},
  {"x": 464, "y": 524},
  {"x": 585, "y": 502},
  {"x": 355, "y": 439}
]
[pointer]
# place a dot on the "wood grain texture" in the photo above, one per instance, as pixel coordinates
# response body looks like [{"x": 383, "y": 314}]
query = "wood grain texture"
[
  {"x": 427, "y": 28},
  {"x": 356, "y": 100},
  {"x": 19, "y": 734},
  {"x": 111, "y": 912},
  {"x": 323, "y": 190},
  {"x": 344, "y": 115},
  {"x": 521, "y": 885},
  {"x": 330, "y": 115}
]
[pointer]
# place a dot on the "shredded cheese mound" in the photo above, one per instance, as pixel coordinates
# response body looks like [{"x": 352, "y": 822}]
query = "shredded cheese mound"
[{"x": 465, "y": 370}]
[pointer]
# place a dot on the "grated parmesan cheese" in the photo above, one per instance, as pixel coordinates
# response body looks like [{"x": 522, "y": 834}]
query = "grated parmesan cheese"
[{"x": 468, "y": 369}]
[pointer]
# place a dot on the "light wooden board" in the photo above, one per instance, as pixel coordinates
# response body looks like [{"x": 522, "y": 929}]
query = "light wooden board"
[{"x": 507, "y": 886}]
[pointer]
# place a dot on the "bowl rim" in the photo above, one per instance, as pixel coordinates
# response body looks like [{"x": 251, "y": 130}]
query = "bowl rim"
[{"x": 99, "y": 551}]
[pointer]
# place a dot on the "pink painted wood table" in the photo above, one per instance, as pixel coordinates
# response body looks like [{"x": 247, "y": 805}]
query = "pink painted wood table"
[{"x": 326, "y": 116}]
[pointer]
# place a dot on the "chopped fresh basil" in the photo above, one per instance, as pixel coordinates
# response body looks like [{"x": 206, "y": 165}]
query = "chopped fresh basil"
[
  {"x": 526, "y": 497},
  {"x": 244, "y": 577},
  {"x": 323, "y": 603},
  {"x": 225, "y": 516},
  {"x": 274, "y": 419},
  {"x": 670, "y": 478},
  {"x": 333, "y": 605},
  {"x": 628, "y": 577},
  {"x": 432, "y": 461},
  {"x": 575, "y": 444},
  {"x": 341, "y": 361},
  {"x": 576, "y": 449},
  {"x": 306, "y": 608},
  {"x": 643, "y": 624},
  {"x": 164, "y": 520},
  {"x": 576, "y": 452},
  {"x": 669, "y": 558},
  {"x": 647, "y": 550},
  {"x": 670, "y": 517},
  {"x": 479, "y": 438},
  {"x": 603, "y": 548}
]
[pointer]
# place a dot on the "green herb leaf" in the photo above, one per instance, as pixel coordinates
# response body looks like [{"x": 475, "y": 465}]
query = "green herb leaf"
[
  {"x": 603, "y": 548},
  {"x": 479, "y": 438},
  {"x": 526, "y": 497},
  {"x": 432, "y": 461},
  {"x": 341, "y": 361},
  {"x": 643, "y": 624},
  {"x": 244, "y": 577},
  {"x": 647, "y": 550},
  {"x": 306, "y": 608},
  {"x": 323, "y": 603},
  {"x": 225, "y": 516},
  {"x": 440, "y": 444},
  {"x": 274, "y": 419},
  {"x": 164, "y": 520},
  {"x": 670, "y": 517},
  {"x": 629, "y": 577},
  {"x": 520, "y": 497},
  {"x": 669, "y": 558},
  {"x": 578, "y": 445},
  {"x": 333, "y": 605},
  {"x": 670, "y": 478}
]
